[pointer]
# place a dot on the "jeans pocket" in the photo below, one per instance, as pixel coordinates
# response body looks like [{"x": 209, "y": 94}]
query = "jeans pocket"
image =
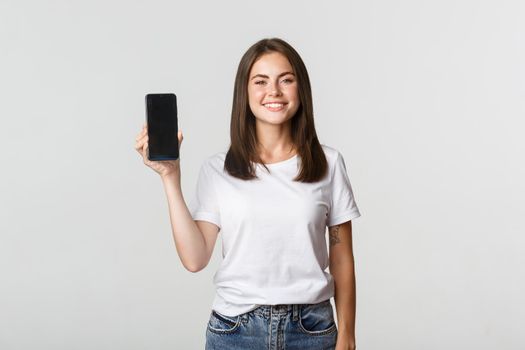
[
  {"x": 222, "y": 324},
  {"x": 317, "y": 319}
]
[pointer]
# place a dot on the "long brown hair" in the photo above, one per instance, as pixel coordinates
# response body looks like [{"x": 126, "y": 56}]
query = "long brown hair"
[{"x": 242, "y": 151}]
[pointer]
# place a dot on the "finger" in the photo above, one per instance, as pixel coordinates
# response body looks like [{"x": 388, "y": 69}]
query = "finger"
[
  {"x": 141, "y": 133},
  {"x": 143, "y": 151},
  {"x": 139, "y": 144},
  {"x": 142, "y": 139},
  {"x": 180, "y": 137}
]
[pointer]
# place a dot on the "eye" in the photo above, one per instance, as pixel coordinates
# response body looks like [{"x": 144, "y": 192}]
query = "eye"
[
  {"x": 288, "y": 80},
  {"x": 260, "y": 82}
]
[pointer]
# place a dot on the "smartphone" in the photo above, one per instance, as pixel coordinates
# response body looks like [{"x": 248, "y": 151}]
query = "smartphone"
[{"x": 161, "y": 117}]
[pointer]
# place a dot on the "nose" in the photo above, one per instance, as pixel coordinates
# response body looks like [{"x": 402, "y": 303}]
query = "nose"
[{"x": 274, "y": 89}]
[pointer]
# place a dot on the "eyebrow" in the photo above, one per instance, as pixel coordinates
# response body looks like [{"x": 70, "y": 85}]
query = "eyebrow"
[{"x": 265, "y": 76}]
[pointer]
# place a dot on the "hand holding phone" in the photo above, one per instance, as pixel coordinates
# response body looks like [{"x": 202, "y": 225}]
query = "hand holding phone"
[{"x": 165, "y": 167}]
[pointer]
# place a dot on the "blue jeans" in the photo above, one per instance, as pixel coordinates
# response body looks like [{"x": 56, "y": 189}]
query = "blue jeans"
[{"x": 274, "y": 327}]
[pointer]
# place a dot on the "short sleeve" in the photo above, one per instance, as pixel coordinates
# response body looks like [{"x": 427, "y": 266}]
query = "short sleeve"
[
  {"x": 342, "y": 203},
  {"x": 204, "y": 205}
]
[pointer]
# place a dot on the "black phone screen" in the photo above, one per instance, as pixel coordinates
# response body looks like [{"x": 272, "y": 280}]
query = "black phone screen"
[{"x": 161, "y": 117}]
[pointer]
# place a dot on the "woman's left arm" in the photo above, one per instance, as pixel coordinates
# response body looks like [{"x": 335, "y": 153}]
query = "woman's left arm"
[{"x": 342, "y": 270}]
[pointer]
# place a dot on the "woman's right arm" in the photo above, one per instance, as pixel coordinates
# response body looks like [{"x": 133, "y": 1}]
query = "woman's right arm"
[{"x": 194, "y": 241}]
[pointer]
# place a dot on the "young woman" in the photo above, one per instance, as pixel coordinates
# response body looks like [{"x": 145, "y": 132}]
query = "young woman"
[{"x": 271, "y": 195}]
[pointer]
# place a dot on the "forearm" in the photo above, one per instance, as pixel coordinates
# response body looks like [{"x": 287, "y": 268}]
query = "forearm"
[
  {"x": 189, "y": 241},
  {"x": 345, "y": 297}
]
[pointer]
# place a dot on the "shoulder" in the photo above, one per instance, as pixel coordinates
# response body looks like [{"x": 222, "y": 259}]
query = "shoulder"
[
  {"x": 332, "y": 154},
  {"x": 335, "y": 159}
]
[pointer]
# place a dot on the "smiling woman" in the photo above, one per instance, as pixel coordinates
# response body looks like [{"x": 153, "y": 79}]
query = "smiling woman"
[
  {"x": 272, "y": 115},
  {"x": 272, "y": 287},
  {"x": 272, "y": 96},
  {"x": 272, "y": 195}
]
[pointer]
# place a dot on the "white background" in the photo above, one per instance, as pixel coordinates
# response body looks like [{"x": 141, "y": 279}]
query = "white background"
[{"x": 424, "y": 99}]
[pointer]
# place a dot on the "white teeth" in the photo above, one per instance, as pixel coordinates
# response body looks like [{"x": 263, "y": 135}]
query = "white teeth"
[{"x": 274, "y": 105}]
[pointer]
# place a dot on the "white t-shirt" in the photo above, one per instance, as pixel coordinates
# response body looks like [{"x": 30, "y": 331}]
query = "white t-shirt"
[{"x": 273, "y": 231}]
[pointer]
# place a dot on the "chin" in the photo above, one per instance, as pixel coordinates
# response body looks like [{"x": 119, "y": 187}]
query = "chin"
[{"x": 275, "y": 121}]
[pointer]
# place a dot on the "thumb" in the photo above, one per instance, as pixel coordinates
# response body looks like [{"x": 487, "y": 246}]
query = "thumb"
[{"x": 180, "y": 137}]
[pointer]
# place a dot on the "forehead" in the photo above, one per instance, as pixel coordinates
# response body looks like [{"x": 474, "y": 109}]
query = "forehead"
[{"x": 272, "y": 63}]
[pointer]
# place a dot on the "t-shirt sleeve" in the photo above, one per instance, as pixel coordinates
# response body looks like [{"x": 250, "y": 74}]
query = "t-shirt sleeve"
[
  {"x": 204, "y": 205},
  {"x": 343, "y": 206}
]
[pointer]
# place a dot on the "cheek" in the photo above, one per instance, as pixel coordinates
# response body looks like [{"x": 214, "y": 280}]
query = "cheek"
[
  {"x": 294, "y": 96},
  {"x": 253, "y": 100},
  {"x": 295, "y": 93},
  {"x": 255, "y": 96},
  {"x": 292, "y": 93}
]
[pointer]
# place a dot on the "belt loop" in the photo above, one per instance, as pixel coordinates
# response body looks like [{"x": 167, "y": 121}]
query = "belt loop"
[{"x": 295, "y": 312}]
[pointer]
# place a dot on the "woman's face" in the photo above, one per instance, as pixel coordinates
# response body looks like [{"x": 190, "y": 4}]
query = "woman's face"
[{"x": 272, "y": 89}]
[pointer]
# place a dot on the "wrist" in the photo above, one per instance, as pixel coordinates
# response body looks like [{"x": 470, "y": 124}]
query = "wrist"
[{"x": 171, "y": 178}]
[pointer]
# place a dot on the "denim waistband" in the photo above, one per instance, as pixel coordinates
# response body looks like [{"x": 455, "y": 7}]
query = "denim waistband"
[{"x": 267, "y": 311}]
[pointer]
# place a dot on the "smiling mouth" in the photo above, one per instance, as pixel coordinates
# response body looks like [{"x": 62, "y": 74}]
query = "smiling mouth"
[{"x": 274, "y": 107}]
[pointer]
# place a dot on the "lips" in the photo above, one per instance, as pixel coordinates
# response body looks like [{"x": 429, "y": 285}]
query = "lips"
[
  {"x": 275, "y": 109},
  {"x": 274, "y": 106},
  {"x": 270, "y": 102}
]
